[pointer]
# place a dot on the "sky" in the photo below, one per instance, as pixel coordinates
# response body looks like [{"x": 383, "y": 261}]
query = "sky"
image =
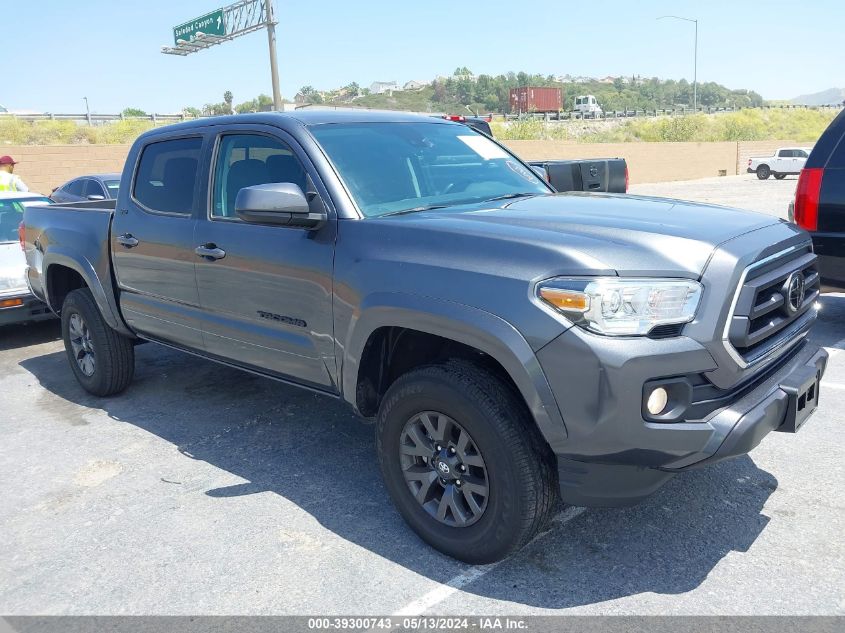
[{"x": 59, "y": 51}]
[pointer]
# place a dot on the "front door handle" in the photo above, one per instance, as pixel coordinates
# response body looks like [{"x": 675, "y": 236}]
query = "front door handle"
[
  {"x": 210, "y": 252},
  {"x": 127, "y": 240}
]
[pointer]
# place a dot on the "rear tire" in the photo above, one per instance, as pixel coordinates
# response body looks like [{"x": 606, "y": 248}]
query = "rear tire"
[
  {"x": 763, "y": 172},
  {"x": 779, "y": 176},
  {"x": 474, "y": 415},
  {"x": 102, "y": 360}
]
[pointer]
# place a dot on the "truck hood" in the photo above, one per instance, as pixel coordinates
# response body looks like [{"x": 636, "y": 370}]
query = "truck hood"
[{"x": 629, "y": 235}]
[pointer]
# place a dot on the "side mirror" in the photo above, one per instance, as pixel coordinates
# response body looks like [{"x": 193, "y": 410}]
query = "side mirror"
[
  {"x": 279, "y": 203},
  {"x": 95, "y": 196}
]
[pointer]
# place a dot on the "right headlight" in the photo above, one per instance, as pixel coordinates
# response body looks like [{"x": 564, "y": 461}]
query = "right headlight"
[{"x": 616, "y": 306}]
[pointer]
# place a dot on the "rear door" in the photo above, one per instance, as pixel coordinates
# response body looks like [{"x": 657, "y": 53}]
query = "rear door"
[
  {"x": 153, "y": 241},
  {"x": 783, "y": 161},
  {"x": 267, "y": 296}
]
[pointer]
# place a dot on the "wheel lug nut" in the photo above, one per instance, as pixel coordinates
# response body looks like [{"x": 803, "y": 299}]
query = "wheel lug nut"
[
  {"x": 452, "y": 450},
  {"x": 458, "y": 482},
  {"x": 438, "y": 447}
]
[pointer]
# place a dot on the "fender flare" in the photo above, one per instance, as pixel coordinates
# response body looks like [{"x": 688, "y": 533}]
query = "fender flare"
[
  {"x": 465, "y": 324},
  {"x": 105, "y": 299}
]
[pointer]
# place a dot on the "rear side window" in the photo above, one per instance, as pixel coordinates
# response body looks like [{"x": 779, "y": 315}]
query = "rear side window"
[
  {"x": 166, "y": 177},
  {"x": 837, "y": 158}
]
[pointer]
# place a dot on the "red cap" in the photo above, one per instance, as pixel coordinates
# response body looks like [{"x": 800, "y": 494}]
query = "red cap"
[{"x": 7, "y": 160}]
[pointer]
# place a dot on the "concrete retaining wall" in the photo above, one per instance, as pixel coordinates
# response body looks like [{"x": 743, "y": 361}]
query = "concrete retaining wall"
[{"x": 44, "y": 167}]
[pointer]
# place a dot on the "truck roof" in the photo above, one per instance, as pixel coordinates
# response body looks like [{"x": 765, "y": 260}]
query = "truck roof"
[{"x": 310, "y": 116}]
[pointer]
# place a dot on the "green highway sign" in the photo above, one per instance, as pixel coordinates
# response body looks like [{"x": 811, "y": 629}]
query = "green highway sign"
[{"x": 209, "y": 24}]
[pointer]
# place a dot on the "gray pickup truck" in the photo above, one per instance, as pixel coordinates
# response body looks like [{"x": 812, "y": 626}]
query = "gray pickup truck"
[{"x": 515, "y": 346}]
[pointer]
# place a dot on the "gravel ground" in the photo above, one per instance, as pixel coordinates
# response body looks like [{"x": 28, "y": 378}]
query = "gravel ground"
[{"x": 204, "y": 490}]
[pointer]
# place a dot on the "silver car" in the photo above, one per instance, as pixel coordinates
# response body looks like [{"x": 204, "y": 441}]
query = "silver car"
[{"x": 17, "y": 305}]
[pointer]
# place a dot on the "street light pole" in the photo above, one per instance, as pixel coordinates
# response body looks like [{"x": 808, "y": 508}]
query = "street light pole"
[
  {"x": 695, "y": 58},
  {"x": 274, "y": 68},
  {"x": 87, "y": 111}
]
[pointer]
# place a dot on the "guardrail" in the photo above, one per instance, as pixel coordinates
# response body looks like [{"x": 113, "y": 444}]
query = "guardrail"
[
  {"x": 622, "y": 114},
  {"x": 93, "y": 119}
]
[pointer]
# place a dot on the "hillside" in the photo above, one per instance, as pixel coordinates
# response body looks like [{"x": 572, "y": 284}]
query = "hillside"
[
  {"x": 825, "y": 97},
  {"x": 487, "y": 93}
]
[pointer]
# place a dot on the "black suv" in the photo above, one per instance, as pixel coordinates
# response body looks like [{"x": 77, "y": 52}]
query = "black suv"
[{"x": 820, "y": 201}]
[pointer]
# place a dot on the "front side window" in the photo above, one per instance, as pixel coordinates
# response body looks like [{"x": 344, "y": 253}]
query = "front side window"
[
  {"x": 167, "y": 173},
  {"x": 94, "y": 189},
  {"x": 394, "y": 167},
  {"x": 75, "y": 188},
  {"x": 244, "y": 160},
  {"x": 785, "y": 153}
]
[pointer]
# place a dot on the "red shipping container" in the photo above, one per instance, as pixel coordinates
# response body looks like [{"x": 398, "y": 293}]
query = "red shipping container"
[{"x": 530, "y": 99}]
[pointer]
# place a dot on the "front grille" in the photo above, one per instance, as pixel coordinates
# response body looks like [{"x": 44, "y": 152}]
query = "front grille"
[{"x": 774, "y": 304}]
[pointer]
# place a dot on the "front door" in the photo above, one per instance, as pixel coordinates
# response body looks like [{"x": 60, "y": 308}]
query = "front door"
[
  {"x": 153, "y": 243},
  {"x": 266, "y": 291}
]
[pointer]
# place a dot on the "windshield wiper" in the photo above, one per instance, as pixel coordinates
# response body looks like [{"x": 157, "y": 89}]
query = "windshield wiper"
[
  {"x": 428, "y": 207},
  {"x": 510, "y": 196}
]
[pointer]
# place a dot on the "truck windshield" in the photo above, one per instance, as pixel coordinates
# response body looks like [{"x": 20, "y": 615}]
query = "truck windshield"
[
  {"x": 394, "y": 167},
  {"x": 11, "y": 214}
]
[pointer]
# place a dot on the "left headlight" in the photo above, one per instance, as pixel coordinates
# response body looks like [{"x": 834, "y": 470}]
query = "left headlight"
[
  {"x": 12, "y": 279},
  {"x": 616, "y": 306}
]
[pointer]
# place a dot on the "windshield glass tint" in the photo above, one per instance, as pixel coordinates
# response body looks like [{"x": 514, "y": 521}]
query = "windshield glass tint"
[
  {"x": 11, "y": 214},
  {"x": 390, "y": 167}
]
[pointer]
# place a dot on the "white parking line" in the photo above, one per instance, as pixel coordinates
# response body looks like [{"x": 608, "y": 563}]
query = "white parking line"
[{"x": 441, "y": 593}]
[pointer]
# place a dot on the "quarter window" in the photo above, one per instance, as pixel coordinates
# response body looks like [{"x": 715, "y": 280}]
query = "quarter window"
[
  {"x": 167, "y": 175},
  {"x": 244, "y": 160}
]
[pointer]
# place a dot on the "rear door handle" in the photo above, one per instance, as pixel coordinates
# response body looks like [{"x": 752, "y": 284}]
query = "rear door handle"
[
  {"x": 210, "y": 252},
  {"x": 127, "y": 240}
]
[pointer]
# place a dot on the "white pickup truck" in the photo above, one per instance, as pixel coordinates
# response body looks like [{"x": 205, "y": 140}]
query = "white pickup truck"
[{"x": 786, "y": 161}]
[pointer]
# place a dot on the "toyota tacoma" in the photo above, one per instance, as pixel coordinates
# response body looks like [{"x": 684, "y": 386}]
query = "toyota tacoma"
[{"x": 515, "y": 346}]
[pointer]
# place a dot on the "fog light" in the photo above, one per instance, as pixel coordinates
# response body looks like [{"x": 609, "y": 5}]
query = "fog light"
[{"x": 657, "y": 401}]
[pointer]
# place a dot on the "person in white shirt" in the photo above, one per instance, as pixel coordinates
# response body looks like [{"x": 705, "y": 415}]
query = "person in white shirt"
[{"x": 8, "y": 180}]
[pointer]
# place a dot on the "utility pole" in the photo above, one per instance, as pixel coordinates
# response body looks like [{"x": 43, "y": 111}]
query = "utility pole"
[
  {"x": 694, "y": 59},
  {"x": 274, "y": 67},
  {"x": 87, "y": 111}
]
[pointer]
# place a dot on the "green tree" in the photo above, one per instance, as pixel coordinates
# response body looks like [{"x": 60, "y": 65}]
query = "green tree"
[
  {"x": 227, "y": 99},
  {"x": 191, "y": 111},
  {"x": 130, "y": 112}
]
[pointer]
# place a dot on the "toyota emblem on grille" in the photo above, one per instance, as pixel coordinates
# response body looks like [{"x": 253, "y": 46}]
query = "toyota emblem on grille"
[{"x": 795, "y": 290}]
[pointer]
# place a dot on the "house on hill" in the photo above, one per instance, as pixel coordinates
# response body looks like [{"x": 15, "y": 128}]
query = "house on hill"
[{"x": 382, "y": 87}]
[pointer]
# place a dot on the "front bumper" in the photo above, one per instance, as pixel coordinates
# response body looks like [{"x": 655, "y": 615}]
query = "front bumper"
[
  {"x": 614, "y": 456},
  {"x": 30, "y": 309}
]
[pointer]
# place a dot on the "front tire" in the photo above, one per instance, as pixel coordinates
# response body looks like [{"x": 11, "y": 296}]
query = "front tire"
[
  {"x": 464, "y": 462},
  {"x": 763, "y": 172},
  {"x": 102, "y": 360}
]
